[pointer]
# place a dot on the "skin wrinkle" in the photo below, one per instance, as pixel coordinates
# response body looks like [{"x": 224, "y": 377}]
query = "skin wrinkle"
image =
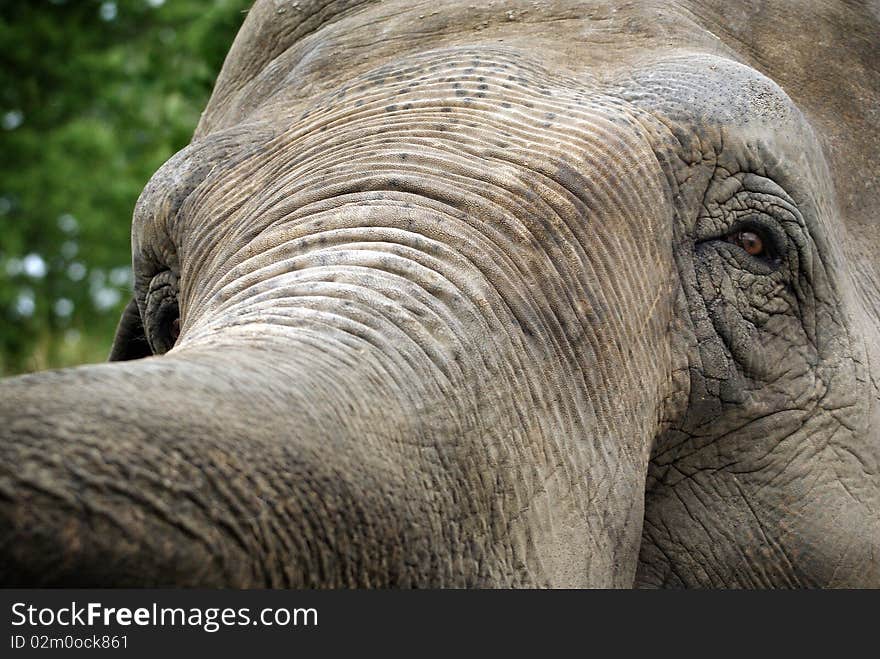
[
  {"x": 460, "y": 312},
  {"x": 471, "y": 263},
  {"x": 410, "y": 321},
  {"x": 340, "y": 293},
  {"x": 502, "y": 256},
  {"x": 350, "y": 326}
]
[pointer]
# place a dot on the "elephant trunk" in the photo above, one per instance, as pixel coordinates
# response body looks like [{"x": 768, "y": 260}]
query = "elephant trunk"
[
  {"x": 204, "y": 469},
  {"x": 366, "y": 402}
]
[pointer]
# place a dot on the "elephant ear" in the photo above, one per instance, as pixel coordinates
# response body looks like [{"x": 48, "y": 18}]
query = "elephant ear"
[{"x": 130, "y": 341}]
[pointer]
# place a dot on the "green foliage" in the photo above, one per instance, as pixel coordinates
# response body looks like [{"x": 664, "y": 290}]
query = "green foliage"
[{"x": 94, "y": 97}]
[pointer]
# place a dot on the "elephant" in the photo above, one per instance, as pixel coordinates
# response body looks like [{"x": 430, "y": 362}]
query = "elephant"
[{"x": 510, "y": 294}]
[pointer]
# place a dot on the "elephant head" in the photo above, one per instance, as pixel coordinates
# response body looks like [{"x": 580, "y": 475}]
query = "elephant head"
[{"x": 537, "y": 294}]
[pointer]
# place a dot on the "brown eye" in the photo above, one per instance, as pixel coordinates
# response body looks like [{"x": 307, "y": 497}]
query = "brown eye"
[
  {"x": 749, "y": 241},
  {"x": 174, "y": 330}
]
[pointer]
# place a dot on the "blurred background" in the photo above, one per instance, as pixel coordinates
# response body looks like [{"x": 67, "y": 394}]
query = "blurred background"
[{"x": 94, "y": 96}]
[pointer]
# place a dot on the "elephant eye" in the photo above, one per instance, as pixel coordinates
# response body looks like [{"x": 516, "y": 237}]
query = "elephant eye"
[
  {"x": 754, "y": 242},
  {"x": 174, "y": 330}
]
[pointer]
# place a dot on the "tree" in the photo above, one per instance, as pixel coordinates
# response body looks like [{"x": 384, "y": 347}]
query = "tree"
[{"x": 94, "y": 97}]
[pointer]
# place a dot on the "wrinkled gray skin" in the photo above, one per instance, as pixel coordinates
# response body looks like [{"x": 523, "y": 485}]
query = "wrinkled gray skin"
[{"x": 459, "y": 308}]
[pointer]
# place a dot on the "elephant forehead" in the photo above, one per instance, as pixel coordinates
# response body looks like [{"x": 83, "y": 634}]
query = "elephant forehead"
[
  {"x": 457, "y": 125},
  {"x": 458, "y": 122},
  {"x": 306, "y": 45},
  {"x": 460, "y": 125}
]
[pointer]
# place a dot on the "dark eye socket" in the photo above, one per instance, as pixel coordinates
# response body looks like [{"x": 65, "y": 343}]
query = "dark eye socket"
[
  {"x": 170, "y": 325},
  {"x": 165, "y": 326},
  {"x": 162, "y": 316}
]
